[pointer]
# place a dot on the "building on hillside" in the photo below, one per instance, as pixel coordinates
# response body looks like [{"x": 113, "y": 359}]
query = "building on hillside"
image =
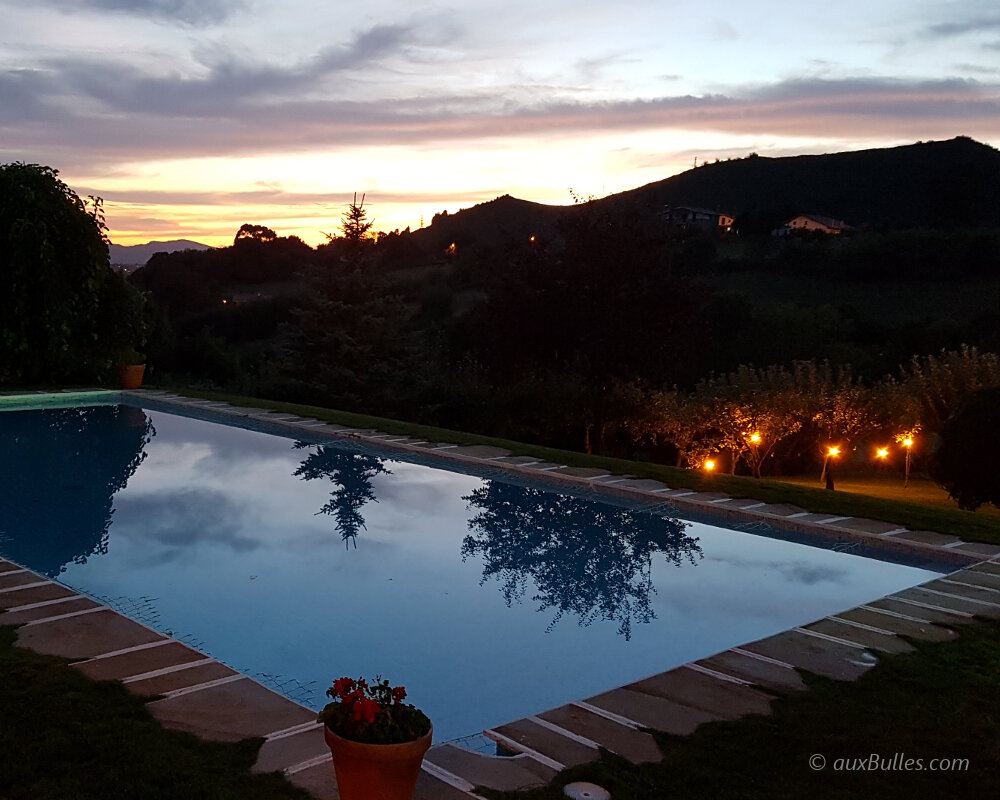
[
  {"x": 812, "y": 223},
  {"x": 700, "y": 218}
]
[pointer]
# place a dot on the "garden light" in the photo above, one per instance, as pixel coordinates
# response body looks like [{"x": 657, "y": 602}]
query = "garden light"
[{"x": 709, "y": 465}]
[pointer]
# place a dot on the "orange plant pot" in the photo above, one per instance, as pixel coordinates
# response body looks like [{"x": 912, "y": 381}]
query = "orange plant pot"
[
  {"x": 130, "y": 375},
  {"x": 376, "y": 771}
]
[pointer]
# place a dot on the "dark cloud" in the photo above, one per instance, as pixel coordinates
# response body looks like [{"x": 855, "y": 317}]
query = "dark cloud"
[
  {"x": 170, "y": 523},
  {"x": 946, "y": 30},
  {"x": 188, "y": 12},
  {"x": 112, "y": 113}
]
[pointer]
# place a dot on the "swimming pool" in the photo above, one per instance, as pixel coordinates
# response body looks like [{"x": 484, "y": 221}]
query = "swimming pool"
[{"x": 298, "y": 561}]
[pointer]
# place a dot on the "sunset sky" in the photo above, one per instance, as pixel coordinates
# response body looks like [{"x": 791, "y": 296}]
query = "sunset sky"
[{"x": 191, "y": 117}]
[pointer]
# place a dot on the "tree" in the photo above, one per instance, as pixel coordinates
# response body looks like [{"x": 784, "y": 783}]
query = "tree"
[
  {"x": 64, "y": 313},
  {"x": 963, "y": 462},
  {"x": 254, "y": 233}
]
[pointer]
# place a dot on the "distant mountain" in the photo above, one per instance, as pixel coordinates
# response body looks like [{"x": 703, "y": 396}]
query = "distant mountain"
[
  {"x": 139, "y": 254},
  {"x": 947, "y": 184}
]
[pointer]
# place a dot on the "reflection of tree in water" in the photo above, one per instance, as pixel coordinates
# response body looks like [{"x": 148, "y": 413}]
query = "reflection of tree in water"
[
  {"x": 589, "y": 558},
  {"x": 352, "y": 473},
  {"x": 59, "y": 471}
]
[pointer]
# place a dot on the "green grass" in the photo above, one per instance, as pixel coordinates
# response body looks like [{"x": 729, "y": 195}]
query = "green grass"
[
  {"x": 65, "y": 737},
  {"x": 874, "y": 499},
  {"x": 941, "y": 702}
]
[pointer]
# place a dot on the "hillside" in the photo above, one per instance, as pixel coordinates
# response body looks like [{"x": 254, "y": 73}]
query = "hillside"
[
  {"x": 946, "y": 184},
  {"x": 139, "y": 254}
]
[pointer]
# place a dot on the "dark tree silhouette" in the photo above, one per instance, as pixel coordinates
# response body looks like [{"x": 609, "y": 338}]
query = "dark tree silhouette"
[
  {"x": 352, "y": 474},
  {"x": 592, "y": 559},
  {"x": 64, "y": 314},
  {"x": 59, "y": 471},
  {"x": 256, "y": 233},
  {"x": 969, "y": 441}
]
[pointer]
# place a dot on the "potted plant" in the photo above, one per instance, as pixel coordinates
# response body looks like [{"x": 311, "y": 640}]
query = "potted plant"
[
  {"x": 377, "y": 741},
  {"x": 131, "y": 367}
]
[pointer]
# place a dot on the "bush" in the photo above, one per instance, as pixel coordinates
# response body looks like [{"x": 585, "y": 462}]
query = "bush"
[{"x": 962, "y": 462}]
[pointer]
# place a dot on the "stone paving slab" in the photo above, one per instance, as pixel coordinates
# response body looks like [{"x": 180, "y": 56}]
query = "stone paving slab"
[
  {"x": 885, "y": 642},
  {"x": 977, "y": 577},
  {"x": 713, "y": 695},
  {"x": 43, "y": 612},
  {"x": 873, "y": 526},
  {"x": 138, "y": 662},
  {"x": 85, "y": 636},
  {"x": 949, "y": 602},
  {"x": 481, "y": 451},
  {"x": 36, "y": 594},
  {"x": 979, "y": 549},
  {"x": 634, "y": 745},
  {"x": 942, "y": 617},
  {"x": 180, "y": 679},
  {"x": 581, "y": 472},
  {"x": 773, "y": 677},
  {"x": 927, "y": 537},
  {"x": 992, "y": 567},
  {"x": 652, "y": 712},
  {"x": 829, "y": 659},
  {"x": 279, "y": 754},
  {"x": 927, "y": 631},
  {"x": 982, "y": 593},
  {"x": 525, "y": 733},
  {"x": 321, "y": 782},
  {"x": 644, "y": 484},
  {"x": 502, "y": 774},
  {"x": 14, "y": 579},
  {"x": 230, "y": 712},
  {"x": 780, "y": 509}
]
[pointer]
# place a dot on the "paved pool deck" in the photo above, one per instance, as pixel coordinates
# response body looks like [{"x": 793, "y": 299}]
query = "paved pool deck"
[{"x": 192, "y": 692}]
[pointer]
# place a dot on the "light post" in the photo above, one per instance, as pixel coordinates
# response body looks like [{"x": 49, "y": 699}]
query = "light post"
[
  {"x": 907, "y": 443},
  {"x": 827, "y": 476}
]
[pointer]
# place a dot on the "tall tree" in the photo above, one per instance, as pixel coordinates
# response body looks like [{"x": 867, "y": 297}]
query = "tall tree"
[{"x": 64, "y": 314}]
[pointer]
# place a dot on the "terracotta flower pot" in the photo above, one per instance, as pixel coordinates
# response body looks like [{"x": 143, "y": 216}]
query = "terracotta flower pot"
[
  {"x": 130, "y": 375},
  {"x": 376, "y": 771}
]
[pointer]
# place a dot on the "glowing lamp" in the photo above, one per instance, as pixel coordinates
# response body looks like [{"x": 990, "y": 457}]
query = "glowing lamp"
[
  {"x": 882, "y": 452},
  {"x": 833, "y": 451},
  {"x": 907, "y": 442},
  {"x": 709, "y": 465},
  {"x": 755, "y": 437}
]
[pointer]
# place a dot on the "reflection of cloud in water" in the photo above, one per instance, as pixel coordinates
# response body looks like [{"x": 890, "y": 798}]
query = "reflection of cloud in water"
[
  {"x": 182, "y": 520},
  {"x": 800, "y": 572}
]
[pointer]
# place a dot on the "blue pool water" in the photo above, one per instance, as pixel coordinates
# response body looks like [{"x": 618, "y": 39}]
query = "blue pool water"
[{"x": 301, "y": 561}]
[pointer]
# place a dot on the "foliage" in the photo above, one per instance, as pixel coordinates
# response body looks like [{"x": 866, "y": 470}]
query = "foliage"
[
  {"x": 63, "y": 311},
  {"x": 963, "y": 462},
  {"x": 256, "y": 233},
  {"x": 372, "y": 713},
  {"x": 940, "y": 382}
]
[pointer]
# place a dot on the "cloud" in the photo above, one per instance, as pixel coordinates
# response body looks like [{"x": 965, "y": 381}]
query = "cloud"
[
  {"x": 944, "y": 30},
  {"x": 188, "y": 12},
  {"x": 112, "y": 114}
]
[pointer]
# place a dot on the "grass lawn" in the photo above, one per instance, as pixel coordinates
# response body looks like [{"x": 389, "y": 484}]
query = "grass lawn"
[
  {"x": 942, "y": 702},
  {"x": 65, "y": 737}
]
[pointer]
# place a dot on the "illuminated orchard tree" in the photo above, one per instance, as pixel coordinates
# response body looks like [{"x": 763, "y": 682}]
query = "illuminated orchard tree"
[
  {"x": 842, "y": 408},
  {"x": 752, "y": 410},
  {"x": 940, "y": 383}
]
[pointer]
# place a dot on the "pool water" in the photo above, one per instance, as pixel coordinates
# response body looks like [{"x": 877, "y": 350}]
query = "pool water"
[{"x": 298, "y": 562}]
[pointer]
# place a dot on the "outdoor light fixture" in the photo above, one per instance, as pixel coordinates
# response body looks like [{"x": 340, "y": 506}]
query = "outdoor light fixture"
[
  {"x": 833, "y": 451},
  {"x": 755, "y": 437},
  {"x": 882, "y": 452},
  {"x": 907, "y": 443},
  {"x": 709, "y": 465}
]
